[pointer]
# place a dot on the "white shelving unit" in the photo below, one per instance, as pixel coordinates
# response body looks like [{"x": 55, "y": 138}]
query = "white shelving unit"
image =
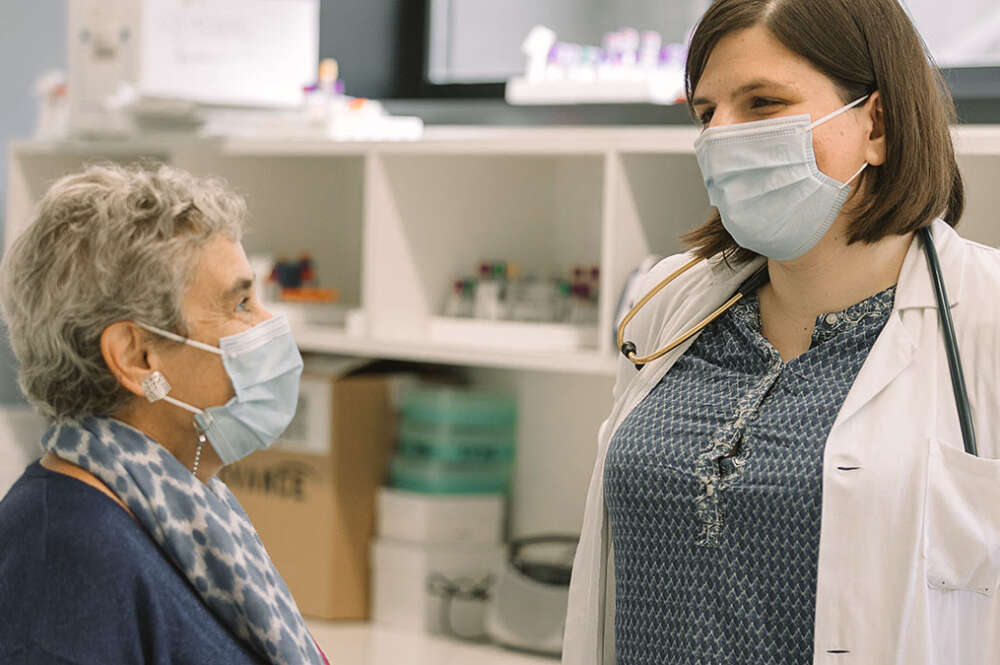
[{"x": 392, "y": 224}]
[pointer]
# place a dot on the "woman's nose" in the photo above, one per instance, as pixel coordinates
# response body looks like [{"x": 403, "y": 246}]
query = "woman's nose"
[
  {"x": 263, "y": 314},
  {"x": 723, "y": 116}
]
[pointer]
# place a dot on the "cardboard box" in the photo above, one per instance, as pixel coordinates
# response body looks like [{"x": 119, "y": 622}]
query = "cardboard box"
[{"x": 311, "y": 497}]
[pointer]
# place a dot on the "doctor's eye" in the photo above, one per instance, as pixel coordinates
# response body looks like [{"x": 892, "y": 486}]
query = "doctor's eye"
[
  {"x": 706, "y": 116},
  {"x": 242, "y": 307},
  {"x": 763, "y": 102}
]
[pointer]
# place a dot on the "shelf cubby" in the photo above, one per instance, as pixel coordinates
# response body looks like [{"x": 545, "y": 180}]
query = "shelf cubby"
[
  {"x": 434, "y": 218},
  {"x": 298, "y": 204}
]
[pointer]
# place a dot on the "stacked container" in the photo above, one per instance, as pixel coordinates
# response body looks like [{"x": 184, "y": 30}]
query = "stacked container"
[
  {"x": 440, "y": 522},
  {"x": 454, "y": 441}
]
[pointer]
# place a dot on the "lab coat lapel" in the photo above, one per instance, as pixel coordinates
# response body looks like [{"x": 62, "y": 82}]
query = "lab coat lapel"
[
  {"x": 891, "y": 354},
  {"x": 896, "y": 346}
]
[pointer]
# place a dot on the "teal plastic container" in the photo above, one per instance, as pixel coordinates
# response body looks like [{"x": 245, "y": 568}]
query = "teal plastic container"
[
  {"x": 431, "y": 476},
  {"x": 456, "y": 443},
  {"x": 459, "y": 407}
]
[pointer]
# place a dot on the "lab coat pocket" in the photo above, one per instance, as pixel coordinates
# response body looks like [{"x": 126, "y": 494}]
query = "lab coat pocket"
[{"x": 962, "y": 520}]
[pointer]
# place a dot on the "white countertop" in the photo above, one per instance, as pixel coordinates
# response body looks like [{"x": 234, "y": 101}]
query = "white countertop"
[{"x": 367, "y": 644}]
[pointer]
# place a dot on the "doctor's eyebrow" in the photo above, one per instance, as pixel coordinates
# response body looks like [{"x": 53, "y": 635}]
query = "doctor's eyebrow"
[{"x": 756, "y": 84}]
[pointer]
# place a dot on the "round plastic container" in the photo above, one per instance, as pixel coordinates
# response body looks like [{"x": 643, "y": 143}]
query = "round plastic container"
[{"x": 437, "y": 477}]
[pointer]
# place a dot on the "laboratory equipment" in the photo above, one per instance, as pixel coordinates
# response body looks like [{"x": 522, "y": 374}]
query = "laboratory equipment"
[
  {"x": 461, "y": 301},
  {"x": 528, "y": 605},
  {"x": 436, "y": 588},
  {"x": 501, "y": 293},
  {"x": 491, "y": 291},
  {"x": 629, "y": 66}
]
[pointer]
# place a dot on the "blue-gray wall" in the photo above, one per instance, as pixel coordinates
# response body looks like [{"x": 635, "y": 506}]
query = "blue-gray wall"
[{"x": 32, "y": 40}]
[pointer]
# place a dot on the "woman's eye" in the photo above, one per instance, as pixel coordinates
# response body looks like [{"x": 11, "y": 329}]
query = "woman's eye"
[
  {"x": 760, "y": 102},
  {"x": 705, "y": 117},
  {"x": 243, "y": 304}
]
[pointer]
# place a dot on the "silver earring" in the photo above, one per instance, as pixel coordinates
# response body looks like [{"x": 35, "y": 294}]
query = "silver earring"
[{"x": 155, "y": 386}]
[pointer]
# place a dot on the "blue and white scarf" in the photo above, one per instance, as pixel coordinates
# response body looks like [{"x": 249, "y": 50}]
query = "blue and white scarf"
[{"x": 202, "y": 529}]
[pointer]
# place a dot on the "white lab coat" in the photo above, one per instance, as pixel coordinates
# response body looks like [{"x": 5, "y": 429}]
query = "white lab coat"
[{"x": 909, "y": 553}]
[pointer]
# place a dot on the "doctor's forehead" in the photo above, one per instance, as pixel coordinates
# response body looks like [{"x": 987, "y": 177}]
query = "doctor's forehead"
[{"x": 749, "y": 59}]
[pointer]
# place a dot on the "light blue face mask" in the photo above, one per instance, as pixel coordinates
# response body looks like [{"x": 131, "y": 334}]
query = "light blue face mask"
[
  {"x": 763, "y": 178},
  {"x": 264, "y": 366}
]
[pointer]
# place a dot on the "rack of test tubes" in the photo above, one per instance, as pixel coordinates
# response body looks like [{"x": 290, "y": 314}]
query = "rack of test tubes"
[
  {"x": 500, "y": 305},
  {"x": 629, "y": 67}
]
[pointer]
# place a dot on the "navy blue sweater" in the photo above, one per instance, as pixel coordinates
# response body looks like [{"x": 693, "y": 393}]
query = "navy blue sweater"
[{"x": 82, "y": 583}]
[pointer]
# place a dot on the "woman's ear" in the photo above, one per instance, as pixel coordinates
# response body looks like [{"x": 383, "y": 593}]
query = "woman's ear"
[
  {"x": 124, "y": 348},
  {"x": 875, "y": 152}
]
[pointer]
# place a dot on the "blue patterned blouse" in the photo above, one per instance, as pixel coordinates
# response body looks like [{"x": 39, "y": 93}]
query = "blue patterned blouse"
[{"x": 714, "y": 492}]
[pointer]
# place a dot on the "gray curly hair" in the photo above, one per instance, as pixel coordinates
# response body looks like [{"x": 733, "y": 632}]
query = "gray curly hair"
[{"x": 109, "y": 244}]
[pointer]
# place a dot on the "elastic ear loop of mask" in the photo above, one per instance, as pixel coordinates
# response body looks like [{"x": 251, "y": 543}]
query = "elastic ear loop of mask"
[
  {"x": 831, "y": 116},
  {"x": 202, "y": 439},
  {"x": 184, "y": 340},
  {"x": 834, "y": 114}
]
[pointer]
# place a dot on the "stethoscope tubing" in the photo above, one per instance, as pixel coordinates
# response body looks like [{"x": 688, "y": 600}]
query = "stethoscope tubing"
[
  {"x": 761, "y": 277},
  {"x": 950, "y": 345}
]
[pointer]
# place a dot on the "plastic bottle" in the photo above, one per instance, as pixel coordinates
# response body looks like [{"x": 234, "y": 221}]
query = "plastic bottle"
[
  {"x": 583, "y": 310},
  {"x": 455, "y": 305},
  {"x": 469, "y": 297},
  {"x": 533, "y": 300},
  {"x": 630, "y": 50},
  {"x": 562, "y": 301},
  {"x": 490, "y": 292},
  {"x": 649, "y": 51}
]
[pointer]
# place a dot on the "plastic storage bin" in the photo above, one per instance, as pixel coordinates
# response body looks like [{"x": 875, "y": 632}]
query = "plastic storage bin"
[
  {"x": 437, "y": 477},
  {"x": 454, "y": 441},
  {"x": 457, "y": 406}
]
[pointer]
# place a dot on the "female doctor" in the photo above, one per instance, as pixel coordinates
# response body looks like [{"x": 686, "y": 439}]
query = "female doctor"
[{"x": 789, "y": 485}]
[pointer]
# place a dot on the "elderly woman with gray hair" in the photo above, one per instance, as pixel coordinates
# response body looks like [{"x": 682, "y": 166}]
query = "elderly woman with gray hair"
[{"x": 132, "y": 313}]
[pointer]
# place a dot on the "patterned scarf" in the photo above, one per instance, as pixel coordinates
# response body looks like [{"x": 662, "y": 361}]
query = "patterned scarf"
[{"x": 202, "y": 529}]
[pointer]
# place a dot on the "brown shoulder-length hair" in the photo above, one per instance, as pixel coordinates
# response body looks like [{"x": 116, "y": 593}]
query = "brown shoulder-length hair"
[{"x": 862, "y": 46}]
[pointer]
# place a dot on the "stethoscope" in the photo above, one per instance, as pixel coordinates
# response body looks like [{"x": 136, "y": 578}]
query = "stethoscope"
[{"x": 761, "y": 277}]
